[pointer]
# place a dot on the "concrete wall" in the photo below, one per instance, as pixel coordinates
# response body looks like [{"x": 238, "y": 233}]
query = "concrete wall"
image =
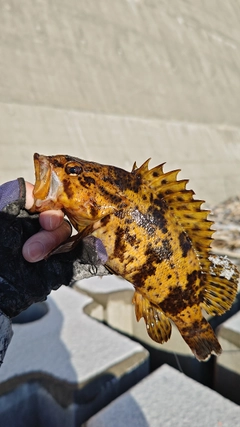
[{"x": 118, "y": 81}]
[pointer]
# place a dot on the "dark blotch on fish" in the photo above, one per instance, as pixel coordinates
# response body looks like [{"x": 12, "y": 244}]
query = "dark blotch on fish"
[
  {"x": 185, "y": 244},
  {"x": 89, "y": 180},
  {"x": 114, "y": 198},
  {"x": 68, "y": 188},
  {"x": 157, "y": 217},
  {"x": 140, "y": 277},
  {"x": 179, "y": 299},
  {"x": 120, "y": 245}
]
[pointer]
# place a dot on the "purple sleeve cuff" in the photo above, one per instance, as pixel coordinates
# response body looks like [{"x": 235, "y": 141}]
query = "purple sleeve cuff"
[{"x": 12, "y": 192}]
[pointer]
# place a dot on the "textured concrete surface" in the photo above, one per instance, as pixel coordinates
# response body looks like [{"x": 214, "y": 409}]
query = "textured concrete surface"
[
  {"x": 112, "y": 303},
  {"x": 76, "y": 359},
  {"x": 146, "y": 59},
  {"x": 230, "y": 331},
  {"x": 31, "y": 405},
  {"x": 227, "y": 374},
  {"x": 209, "y": 157},
  {"x": 122, "y": 81},
  {"x": 168, "y": 398}
]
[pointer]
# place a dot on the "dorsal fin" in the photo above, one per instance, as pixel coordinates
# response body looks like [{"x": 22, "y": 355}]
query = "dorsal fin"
[
  {"x": 219, "y": 275},
  {"x": 143, "y": 169},
  {"x": 180, "y": 201},
  {"x": 134, "y": 167}
]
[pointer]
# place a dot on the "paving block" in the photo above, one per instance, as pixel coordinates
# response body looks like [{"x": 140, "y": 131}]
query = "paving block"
[
  {"x": 112, "y": 303},
  {"x": 79, "y": 365},
  {"x": 168, "y": 398},
  {"x": 227, "y": 375}
]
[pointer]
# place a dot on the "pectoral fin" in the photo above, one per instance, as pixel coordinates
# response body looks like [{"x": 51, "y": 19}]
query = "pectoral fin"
[
  {"x": 71, "y": 242},
  {"x": 66, "y": 246},
  {"x": 220, "y": 285},
  {"x": 157, "y": 324}
]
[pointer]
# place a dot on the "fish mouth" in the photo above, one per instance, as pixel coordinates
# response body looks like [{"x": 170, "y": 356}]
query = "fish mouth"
[{"x": 47, "y": 184}]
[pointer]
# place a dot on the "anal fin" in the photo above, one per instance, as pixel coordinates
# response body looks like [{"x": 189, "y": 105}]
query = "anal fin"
[{"x": 158, "y": 325}]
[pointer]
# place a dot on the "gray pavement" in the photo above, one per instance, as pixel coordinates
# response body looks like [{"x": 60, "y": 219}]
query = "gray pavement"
[
  {"x": 167, "y": 398},
  {"x": 227, "y": 372},
  {"x": 72, "y": 364}
]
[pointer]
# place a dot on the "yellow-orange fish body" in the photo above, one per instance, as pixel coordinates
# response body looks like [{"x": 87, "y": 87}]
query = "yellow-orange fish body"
[{"x": 156, "y": 237}]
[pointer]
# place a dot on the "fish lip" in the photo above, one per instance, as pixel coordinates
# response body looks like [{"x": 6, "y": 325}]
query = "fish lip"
[{"x": 47, "y": 182}]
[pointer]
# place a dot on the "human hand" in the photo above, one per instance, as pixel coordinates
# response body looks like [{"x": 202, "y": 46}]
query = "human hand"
[
  {"x": 55, "y": 230},
  {"x": 23, "y": 281}
]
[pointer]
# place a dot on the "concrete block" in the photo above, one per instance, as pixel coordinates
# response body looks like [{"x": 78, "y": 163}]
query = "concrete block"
[
  {"x": 114, "y": 295},
  {"x": 120, "y": 140},
  {"x": 112, "y": 303},
  {"x": 227, "y": 375},
  {"x": 80, "y": 364},
  {"x": 168, "y": 398}
]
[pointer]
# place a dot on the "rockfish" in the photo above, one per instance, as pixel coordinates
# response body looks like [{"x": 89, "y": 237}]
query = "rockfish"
[{"x": 156, "y": 236}]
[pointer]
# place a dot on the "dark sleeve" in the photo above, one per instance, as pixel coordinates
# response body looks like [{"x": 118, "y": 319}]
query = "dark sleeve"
[{"x": 12, "y": 198}]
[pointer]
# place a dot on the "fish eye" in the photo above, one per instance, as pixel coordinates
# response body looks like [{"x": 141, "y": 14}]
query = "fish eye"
[{"x": 73, "y": 169}]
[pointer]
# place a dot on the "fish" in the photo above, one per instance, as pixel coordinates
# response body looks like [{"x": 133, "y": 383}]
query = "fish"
[{"x": 157, "y": 236}]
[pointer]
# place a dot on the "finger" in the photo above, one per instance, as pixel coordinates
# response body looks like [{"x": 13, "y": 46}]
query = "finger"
[
  {"x": 38, "y": 246},
  {"x": 50, "y": 220},
  {"x": 29, "y": 195}
]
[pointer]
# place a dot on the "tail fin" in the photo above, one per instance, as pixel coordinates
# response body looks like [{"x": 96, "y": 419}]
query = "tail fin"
[{"x": 201, "y": 339}]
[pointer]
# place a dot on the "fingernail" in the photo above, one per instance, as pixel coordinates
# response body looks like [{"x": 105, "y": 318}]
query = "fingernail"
[{"x": 36, "y": 251}]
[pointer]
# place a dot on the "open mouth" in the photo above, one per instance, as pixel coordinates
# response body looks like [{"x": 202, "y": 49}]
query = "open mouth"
[{"x": 47, "y": 182}]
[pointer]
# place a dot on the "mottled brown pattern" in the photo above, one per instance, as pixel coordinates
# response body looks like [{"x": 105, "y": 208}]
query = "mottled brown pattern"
[
  {"x": 113, "y": 198},
  {"x": 142, "y": 276}
]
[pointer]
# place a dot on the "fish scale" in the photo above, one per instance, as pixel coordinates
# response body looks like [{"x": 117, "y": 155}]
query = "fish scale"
[{"x": 156, "y": 236}]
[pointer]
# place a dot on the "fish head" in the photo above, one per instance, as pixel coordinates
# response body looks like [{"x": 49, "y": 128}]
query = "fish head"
[{"x": 73, "y": 185}]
